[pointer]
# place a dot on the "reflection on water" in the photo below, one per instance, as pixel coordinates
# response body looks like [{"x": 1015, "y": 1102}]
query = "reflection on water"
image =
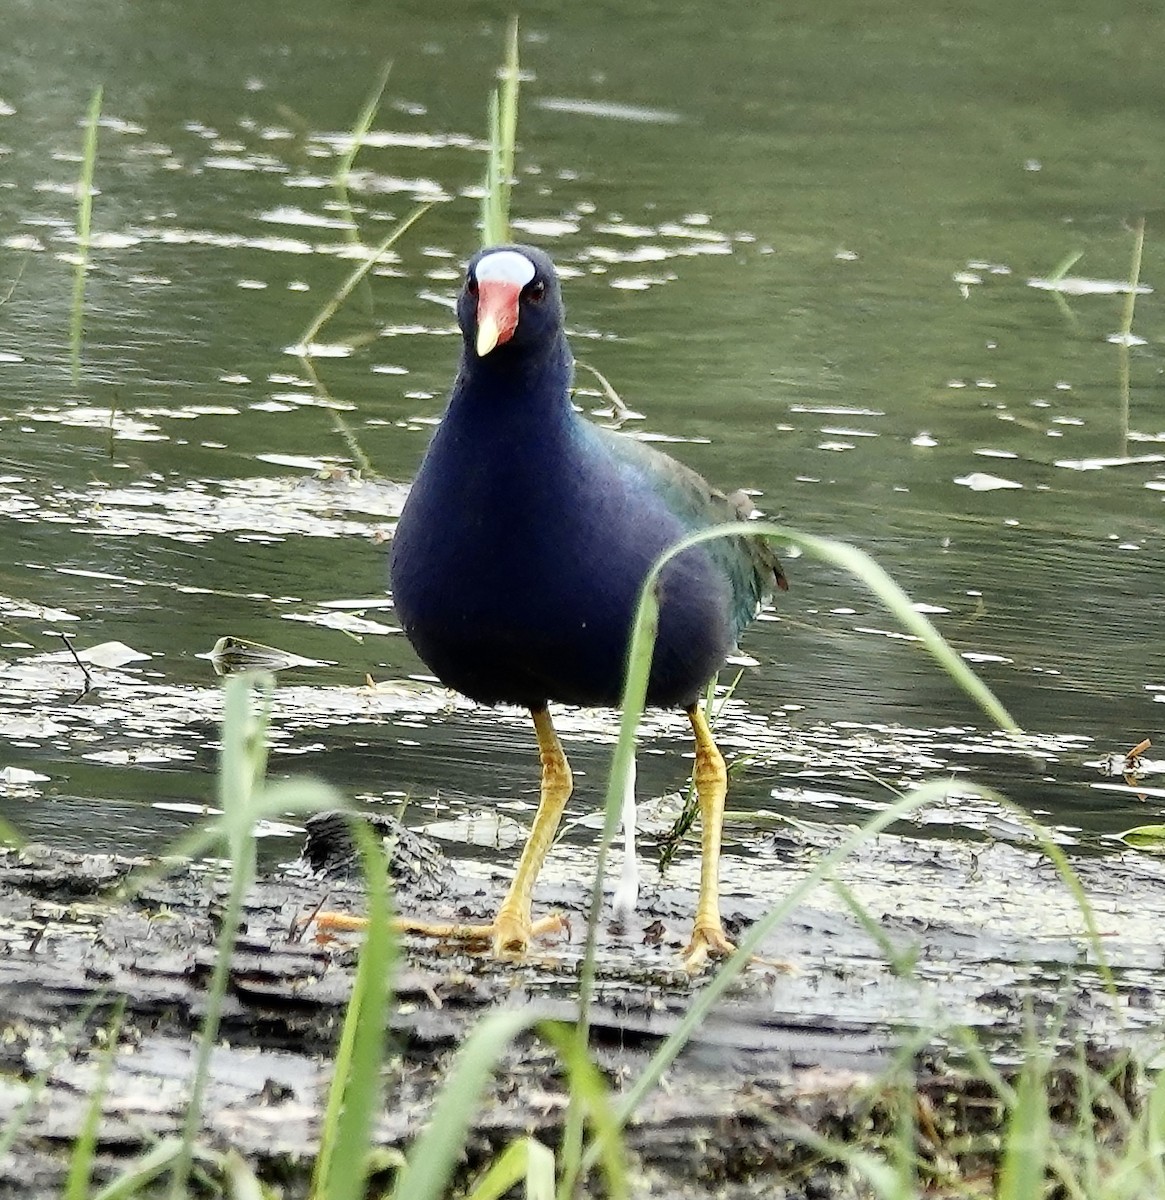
[{"x": 821, "y": 256}]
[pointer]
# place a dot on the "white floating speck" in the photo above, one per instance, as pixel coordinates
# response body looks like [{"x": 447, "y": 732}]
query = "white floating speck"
[
  {"x": 636, "y": 283},
  {"x": 979, "y": 481},
  {"x": 550, "y": 227},
  {"x": 1125, "y": 339},
  {"x": 288, "y": 214},
  {"x": 21, "y": 776},
  {"x": 609, "y": 109},
  {"x": 835, "y": 410},
  {"x": 113, "y": 241},
  {"x": 985, "y": 453},
  {"x": 923, "y": 439},
  {"x": 1098, "y": 464},
  {"x": 319, "y": 350},
  {"x": 892, "y": 634},
  {"x": 1071, "y": 285}
]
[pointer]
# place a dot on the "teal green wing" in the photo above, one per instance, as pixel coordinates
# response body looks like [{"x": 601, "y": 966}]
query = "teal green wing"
[{"x": 752, "y": 567}]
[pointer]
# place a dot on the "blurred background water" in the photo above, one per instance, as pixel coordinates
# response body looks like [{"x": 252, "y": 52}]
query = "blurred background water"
[{"x": 815, "y": 246}]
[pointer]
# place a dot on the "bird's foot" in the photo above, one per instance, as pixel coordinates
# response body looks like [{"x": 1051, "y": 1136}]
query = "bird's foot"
[
  {"x": 708, "y": 941},
  {"x": 508, "y": 935}
]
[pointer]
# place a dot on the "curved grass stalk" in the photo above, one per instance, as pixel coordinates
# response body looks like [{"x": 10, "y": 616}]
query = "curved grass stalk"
[
  {"x": 639, "y": 657},
  {"x": 329, "y": 309},
  {"x": 851, "y": 559}
]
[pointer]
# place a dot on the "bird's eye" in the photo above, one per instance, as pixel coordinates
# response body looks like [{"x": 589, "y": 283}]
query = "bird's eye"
[
  {"x": 471, "y": 284},
  {"x": 536, "y": 291}
]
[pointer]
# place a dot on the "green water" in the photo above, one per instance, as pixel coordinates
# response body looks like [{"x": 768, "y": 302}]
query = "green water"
[{"x": 798, "y": 239}]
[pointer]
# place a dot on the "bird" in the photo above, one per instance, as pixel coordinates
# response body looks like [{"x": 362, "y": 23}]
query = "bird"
[{"x": 520, "y": 552}]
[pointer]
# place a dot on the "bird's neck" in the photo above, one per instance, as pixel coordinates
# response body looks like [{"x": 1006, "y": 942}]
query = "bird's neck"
[{"x": 506, "y": 386}]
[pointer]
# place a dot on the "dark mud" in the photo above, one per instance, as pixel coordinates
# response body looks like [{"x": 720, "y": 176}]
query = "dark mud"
[{"x": 981, "y": 937}]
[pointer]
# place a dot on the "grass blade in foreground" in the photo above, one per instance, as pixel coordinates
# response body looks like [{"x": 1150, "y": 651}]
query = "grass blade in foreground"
[
  {"x": 1028, "y": 1136},
  {"x": 859, "y": 564},
  {"x": 355, "y": 1097},
  {"x": 81, "y": 1160},
  {"x": 426, "y": 1174},
  {"x": 241, "y": 772},
  {"x": 635, "y": 688},
  {"x": 525, "y": 1160}
]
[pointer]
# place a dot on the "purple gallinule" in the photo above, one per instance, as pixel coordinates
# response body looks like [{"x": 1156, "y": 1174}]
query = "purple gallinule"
[{"x": 521, "y": 550}]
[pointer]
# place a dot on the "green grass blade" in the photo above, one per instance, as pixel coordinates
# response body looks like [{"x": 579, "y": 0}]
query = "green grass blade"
[
  {"x": 84, "y": 230},
  {"x": 155, "y": 1162},
  {"x": 589, "y": 1091},
  {"x": 1026, "y": 1143},
  {"x": 344, "y": 1152},
  {"x": 634, "y": 693},
  {"x": 10, "y": 835},
  {"x": 634, "y": 699},
  {"x": 359, "y": 132},
  {"x": 242, "y": 1182},
  {"x": 342, "y": 176},
  {"x": 503, "y": 133},
  {"x": 332, "y": 305},
  {"x": 1130, "y": 304},
  {"x": 1065, "y": 265},
  {"x": 81, "y": 1158},
  {"x": 243, "y": 761},
  {"x": 1124, "y": 360},
  {"x": 706, "y": 999},
  {"x": 426, "y": 1173},
  {"x": 859, "y": 564},
  {"x": 525, "y": 1160}
]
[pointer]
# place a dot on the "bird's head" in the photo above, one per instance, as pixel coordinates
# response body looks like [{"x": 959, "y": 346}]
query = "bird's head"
[{"x": 510, "y": 298}]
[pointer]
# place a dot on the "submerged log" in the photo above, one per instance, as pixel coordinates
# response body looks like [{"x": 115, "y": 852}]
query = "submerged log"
[{"x": 981, "y": 936}]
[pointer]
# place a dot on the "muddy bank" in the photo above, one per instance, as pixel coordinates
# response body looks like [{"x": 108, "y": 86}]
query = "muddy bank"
[{"x": 983, "y": 936}]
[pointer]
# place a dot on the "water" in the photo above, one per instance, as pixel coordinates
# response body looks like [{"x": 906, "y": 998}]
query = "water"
[{"x": 801, "y": 242}]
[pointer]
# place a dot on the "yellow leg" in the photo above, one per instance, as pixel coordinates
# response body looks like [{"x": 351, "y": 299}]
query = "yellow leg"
[
  {"x": 511, "y": 928},
  {"x": 510, "y": 931},
  {"x": 711, "y": 776}
]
